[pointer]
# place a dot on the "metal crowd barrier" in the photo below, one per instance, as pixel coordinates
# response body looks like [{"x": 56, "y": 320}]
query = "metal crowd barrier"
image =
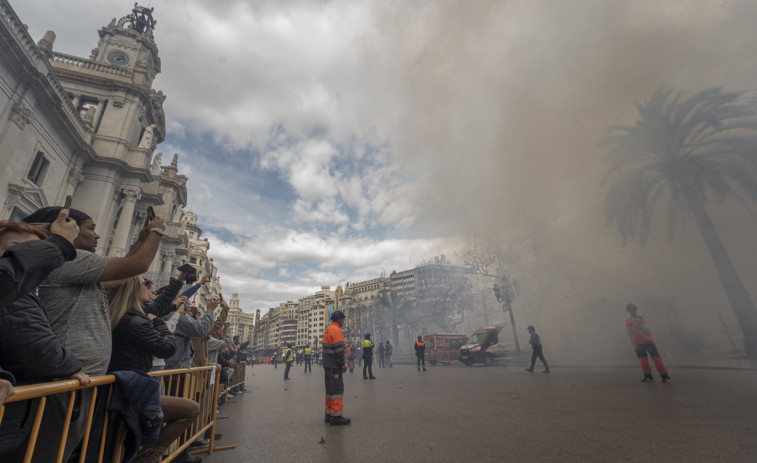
[{"x": 201, "y": 384}]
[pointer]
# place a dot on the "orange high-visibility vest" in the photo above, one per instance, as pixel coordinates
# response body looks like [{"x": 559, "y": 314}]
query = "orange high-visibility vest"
[{"x": 637, "y": 332}]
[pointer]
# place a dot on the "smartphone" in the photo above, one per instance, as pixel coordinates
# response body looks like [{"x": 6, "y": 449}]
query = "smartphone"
[
  {"x": 150, "y": 213},
  {"x": 67, "y": 205}
]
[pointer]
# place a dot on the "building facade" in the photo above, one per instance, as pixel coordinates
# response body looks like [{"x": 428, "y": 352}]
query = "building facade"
[
  {"x": 88, "y": 127},
  {"x": 242, "y": 323}
]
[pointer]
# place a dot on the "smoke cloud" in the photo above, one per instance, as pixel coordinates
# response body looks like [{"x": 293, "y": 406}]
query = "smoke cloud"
[{"x": 501, "y": 107}]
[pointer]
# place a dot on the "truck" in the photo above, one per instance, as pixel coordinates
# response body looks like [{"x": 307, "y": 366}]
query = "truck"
[
  {"x": 483, "y": 347},
  {"x": 443, "y": 347}
]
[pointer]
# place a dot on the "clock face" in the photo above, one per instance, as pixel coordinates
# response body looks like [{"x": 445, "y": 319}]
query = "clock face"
[{"x": 118, "y": 58}]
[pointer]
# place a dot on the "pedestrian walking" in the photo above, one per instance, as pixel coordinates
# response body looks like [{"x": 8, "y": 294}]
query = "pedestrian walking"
[
  {"x": 536, "y": 350},
  {"x": 275, "y": 360},
  {"x": 420, "y": 352},
  {"x": 641, "y": 339},
  {"x": 381, "y": 354},
  {"x": 388, "y": 349},
  {"x": 288, "y": 359},
  {"x": 351, "y": 357},
  {"x": 308, "y": 358},
  {"x": 334, "y": 366},
  {"x": 368, "y": 356}
]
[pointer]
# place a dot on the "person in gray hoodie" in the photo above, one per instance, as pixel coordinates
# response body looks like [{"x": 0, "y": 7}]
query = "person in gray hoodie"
[{"x": 187, "y": 328}]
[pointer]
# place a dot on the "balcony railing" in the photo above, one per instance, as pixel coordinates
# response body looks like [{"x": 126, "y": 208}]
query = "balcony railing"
[{"x": 81, "y": 63}]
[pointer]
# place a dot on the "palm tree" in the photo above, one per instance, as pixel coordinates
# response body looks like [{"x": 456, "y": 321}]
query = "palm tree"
[{"x": 687, "y": 152}]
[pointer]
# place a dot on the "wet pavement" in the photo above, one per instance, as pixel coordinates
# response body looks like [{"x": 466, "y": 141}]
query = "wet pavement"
[{"x": 480, "y": 414}]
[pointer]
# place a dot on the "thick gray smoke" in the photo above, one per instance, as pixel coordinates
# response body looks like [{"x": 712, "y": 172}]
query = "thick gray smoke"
[{"x": 503, "y": 109}]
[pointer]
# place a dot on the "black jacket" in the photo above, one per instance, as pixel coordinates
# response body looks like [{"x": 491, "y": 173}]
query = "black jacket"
[
  {"x": 420, "y": 350},
  {"x": 137, "y": 339},
  {"x": 163, "y": 303},
  {"x": 29, "y": 348},
  {"x": 25, "y": 265}
]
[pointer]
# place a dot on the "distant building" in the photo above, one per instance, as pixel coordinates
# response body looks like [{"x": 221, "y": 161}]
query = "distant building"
[{"x": 242, "y": 323}]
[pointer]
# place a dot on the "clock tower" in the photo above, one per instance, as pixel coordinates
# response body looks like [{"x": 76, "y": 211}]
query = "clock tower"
[
  {"x": 129, "y": 44},
  {"x": 112, "y": 92}
]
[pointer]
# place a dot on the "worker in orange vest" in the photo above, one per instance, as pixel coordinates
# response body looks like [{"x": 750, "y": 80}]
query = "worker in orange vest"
[
  {"x": 642, "y": 342},
  {"x": 334, "y": 365},
  {"x": 420, "y": 352}
]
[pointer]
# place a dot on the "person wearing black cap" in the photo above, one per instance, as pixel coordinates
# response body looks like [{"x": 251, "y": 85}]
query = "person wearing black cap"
[
  {"x": 308, "y": 358},
  {"x": 334, "y": 365},
  {"x": 288, "y": 358},
  {"x": 74, "y": 298},
  {"x": 368, "y": 356},
  {"x": 420, "y": 352},
  {"x": 537, "y": 350}
]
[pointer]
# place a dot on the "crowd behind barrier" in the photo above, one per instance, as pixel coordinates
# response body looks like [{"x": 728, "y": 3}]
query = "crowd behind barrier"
[
  {"x": 106, "y": 367},
  {"x": 201, "y": 384}
]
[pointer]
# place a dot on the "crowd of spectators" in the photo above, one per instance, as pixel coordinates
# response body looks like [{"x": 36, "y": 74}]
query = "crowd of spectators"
[{"x": 70, "y": 313}]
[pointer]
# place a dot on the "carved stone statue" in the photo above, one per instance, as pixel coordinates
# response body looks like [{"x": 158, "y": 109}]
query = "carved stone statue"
[
  {"x": 155, "y": 169},
  {"x": 89, "y": 117},
  {"x": 148, "y": 138}
]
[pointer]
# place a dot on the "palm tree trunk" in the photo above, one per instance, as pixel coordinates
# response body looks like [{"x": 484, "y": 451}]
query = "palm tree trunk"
[{"x": 738, "y": 296}]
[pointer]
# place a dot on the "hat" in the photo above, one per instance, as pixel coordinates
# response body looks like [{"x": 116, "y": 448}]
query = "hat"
[
  {"x": 531, "y": 328},
  {"x": 50, "y": 215},
  {"x": 289, "y": 344},
  {"x": 367, "y": 335},
  {"x": 307, "y": 345},
  {"x": 337, "y": 314},
  {"x": 420, "y": 337}
]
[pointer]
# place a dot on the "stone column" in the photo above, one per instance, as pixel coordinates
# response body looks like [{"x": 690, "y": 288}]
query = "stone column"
[
  {"x": 98, "y": 114},
  {"x": 120, "y": 237}
]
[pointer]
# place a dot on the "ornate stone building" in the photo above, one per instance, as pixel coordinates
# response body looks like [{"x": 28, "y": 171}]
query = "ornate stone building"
[
  {"x": 242, "y": 323},
  {"x": 362, "y": 304},
  {"x": 312, "y": 316},
  {"x": 88, "y": 127}
]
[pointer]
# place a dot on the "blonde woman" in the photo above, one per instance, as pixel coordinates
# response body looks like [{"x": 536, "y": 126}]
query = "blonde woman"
[{"x": 137, "y": 337}]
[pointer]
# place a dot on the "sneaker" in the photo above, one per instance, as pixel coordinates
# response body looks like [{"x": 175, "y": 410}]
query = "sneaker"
[
  {"x": 665, "y": 377},
  {"x": 186, "y": 457},
  {"x": 372, "y": 377},
  {"x": 424, "y": 368},
  {"x": 529, "y": 370},
  {"x": 647, "y": 378},
  {"x": 546, "y": 371},
  {"x": 339, "y": 421},
  {"x": 200, "y": 443}
]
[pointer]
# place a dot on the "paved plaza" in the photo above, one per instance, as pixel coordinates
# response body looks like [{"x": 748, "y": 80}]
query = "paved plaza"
[{"x": 453, "y": 413}]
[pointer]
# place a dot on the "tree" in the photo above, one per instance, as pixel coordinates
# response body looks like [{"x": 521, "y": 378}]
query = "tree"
[
  {"x": 488, "y": 258},
  {"x": 687, "y": 151}
]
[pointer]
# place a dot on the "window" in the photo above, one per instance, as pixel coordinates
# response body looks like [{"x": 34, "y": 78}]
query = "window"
[
  {"x": 192, "y": 260},
  {"x": 17, "y": 215},
  {"x": 39, "y": 168}
]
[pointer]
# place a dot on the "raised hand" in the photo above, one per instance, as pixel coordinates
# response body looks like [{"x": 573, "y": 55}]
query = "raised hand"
[{"x": 65, "y": 227}]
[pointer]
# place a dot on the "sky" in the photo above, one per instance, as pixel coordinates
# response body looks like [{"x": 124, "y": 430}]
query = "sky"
[{"x": 330, "y": 141}]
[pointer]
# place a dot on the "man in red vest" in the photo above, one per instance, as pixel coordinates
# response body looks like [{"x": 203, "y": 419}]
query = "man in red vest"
[
  {"x": 420, "y": 352},
  {"x": 643, "y": 345},
  {"x": 334, "y": 365}
]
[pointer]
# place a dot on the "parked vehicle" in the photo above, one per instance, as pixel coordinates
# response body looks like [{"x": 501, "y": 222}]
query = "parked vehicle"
[
  {"x": 443, "y": 347},
  {"x": 483, "y": 347}
]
